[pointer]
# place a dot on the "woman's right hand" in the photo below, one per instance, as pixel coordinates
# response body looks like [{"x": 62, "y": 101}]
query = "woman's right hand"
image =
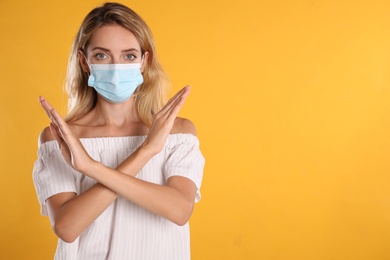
[
  {"x": 163, "y": 122},
  {"x": 72, "y": 149}
]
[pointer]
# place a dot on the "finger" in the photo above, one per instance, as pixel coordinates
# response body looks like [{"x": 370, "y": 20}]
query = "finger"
[
  {"x": 55, "y": 122},
  {"x": 170, "y": 115},
  {"x": 60, "y": 123},
  {"x": 184, "y": 91},
  {"x": 174, "y": 100},
  {"x": 171, "y": 112},
  {"x": 179, "y": 100},
  {"x": 56, "y": 134},
  {"x": 46, "y": 106},
  {"x": 174, "y": 111},
  {"x": 176, "y": 96}
]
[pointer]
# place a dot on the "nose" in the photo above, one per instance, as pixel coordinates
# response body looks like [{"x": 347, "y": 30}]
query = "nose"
[{"x": 116, "y": 60}]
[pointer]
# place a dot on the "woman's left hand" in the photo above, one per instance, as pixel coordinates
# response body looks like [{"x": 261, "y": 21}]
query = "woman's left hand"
[
  {"x": 163, "y": 122},
  {"x": 72, "y": 149}
]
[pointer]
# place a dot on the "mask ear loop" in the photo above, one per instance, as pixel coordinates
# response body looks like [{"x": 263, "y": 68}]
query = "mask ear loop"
[
  {"x": 142, "y": 59},
  {"x": 85, "y": 57},
  {"x": 89, "y": 65}
]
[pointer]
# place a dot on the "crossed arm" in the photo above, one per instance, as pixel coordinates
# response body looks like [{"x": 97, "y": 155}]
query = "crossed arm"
[{"x": 71, "y": 214}]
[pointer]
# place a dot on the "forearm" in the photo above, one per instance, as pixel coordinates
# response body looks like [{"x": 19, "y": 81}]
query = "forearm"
[
  {"x": 164, "y": 200},
  {"x": 133, "y": 164},
  {"x": 161, "y": 200},
  {"x": 76, "y": 214}
]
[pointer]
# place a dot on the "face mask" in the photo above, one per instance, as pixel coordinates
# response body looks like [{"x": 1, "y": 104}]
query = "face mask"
[{"x": 115, "y": 82}]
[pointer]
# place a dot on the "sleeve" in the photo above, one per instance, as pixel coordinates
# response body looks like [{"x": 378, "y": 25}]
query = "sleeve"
[
  {"x": 185, "y": 159},
  {"x": 51, "y": 174}
]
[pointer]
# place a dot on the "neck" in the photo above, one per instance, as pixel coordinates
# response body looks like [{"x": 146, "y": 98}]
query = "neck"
[{"x": 106, "y": 113}]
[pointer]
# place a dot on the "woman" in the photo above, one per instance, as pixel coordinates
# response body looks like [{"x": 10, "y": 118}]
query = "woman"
[{"x": 119, "y": 176}]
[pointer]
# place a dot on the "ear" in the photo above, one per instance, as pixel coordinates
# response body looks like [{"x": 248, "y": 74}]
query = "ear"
[
  {"x": 83, "y": 62},
  {"x": 145, "y": 61}
]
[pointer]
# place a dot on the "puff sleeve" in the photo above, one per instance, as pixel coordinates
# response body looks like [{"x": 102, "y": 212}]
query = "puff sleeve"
[
  {"x": 185, "y": 159},
  {"x": 51, "y": 174}
]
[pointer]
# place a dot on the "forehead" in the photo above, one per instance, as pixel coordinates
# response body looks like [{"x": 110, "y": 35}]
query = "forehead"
[{"x": 113, "y": 37}]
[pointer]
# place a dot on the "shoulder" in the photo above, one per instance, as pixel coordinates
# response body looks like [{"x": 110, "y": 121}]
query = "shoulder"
[
  {"x": 45, "y": 136},
  {"x": 183, "y": 126}
]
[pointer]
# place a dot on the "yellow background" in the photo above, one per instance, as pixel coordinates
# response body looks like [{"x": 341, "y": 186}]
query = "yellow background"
[{"x": 291, "y": 102}]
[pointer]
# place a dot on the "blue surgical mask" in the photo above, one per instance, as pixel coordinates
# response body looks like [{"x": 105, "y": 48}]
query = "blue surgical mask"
[{"x": 115, "y": 82}]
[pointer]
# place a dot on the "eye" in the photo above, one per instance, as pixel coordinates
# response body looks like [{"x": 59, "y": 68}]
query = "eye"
[
  {"x": 101, "y": 56},
  {"x": 130, "y": 57}
]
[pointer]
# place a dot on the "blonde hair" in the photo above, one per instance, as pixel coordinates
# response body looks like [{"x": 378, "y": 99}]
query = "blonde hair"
[{"x": 149, "y": 96}]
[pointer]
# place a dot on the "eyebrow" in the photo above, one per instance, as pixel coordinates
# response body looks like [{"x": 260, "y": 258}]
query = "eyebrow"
[
  {"x": 132, "y": 49},
  {"x": 107, "y": 50}
]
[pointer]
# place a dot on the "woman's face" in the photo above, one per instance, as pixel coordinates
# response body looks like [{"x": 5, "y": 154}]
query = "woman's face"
[{"x": 113, "y": 44}]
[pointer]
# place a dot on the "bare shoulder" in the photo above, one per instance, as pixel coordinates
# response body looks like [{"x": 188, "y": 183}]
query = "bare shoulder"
[
  {"x": 45, "y": 136},
  {"x": 183, "y": 126}
]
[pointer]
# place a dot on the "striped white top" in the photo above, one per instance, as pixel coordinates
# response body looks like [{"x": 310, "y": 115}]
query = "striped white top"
[{"x": 124, "y": 230}]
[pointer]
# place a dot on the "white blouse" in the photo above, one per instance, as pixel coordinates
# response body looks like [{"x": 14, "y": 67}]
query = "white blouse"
[{"x": 124, "y": 230}]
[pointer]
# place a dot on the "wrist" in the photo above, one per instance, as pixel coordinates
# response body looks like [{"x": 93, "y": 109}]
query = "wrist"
[
  {"x": 92, "y": 168},
  {"x": 146, "y": 151}
]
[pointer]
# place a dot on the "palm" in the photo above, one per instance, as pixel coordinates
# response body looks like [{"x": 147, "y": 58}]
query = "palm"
[
  {"x": 70, "y": 145},
  {"x": 163, "y": 121}
]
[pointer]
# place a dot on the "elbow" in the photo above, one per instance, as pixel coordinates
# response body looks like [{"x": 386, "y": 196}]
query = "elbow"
[
  {"x": 64, "y": 232},
  {"x": 183, "y": 214},
  {"x": 181, "y": 222}
]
